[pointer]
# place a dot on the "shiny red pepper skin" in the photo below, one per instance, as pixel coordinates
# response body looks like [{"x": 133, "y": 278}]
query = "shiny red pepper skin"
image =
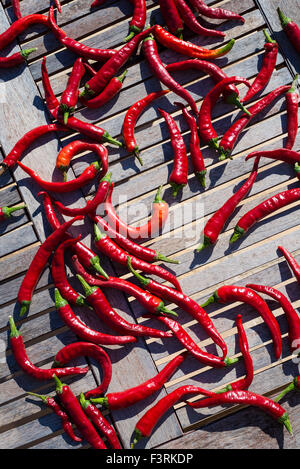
[
  {"x": 110, "y": 91},
  {"x": 292, "y": 262},
  {"x": 179, "y": 175},
  {"x": 15, "y": 59},
  {"x": 171, "y": 16},
  {"x": 291, "y": 29},
  {"x": 231, "y": 293},
  {"x": 281, "y": 154},
  {"x": 5, "y": 212},
  {"x": 292, "y": 105},
  {"x": 16, "y": 8},
  {"x": 87, "y": 349},
  {"x": 218, "y": 13},
  {"x": 138, "y": 21},
  {"x": 69, "y": 96},
  {"x": 191, "y": 22},
  {"x": 19, "y": 26}
]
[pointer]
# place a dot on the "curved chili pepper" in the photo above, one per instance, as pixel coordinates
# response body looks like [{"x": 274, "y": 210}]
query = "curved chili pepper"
[
  {"x": 291, "y": 315},
  {"x": 206, "y": 130},
  {"x": 267, "y": 68},
  {"x": 292, "y": 262},
  {"x": 108, "y": 247},
  {"x": 216, "y": 223},
  {"x": 6, "y": 212},
  {"x": 131, "y": 118},
  {"x": 16, "y": 8},
  {"x": 96, "y": 298},
  {"x": 148, "y": 421},
  {"x": 69, "y": 96},
  {"x": 66, "y": 423},
  {"x": 265, "y": 208},
  {"x": 295, "y": 384},
  {"x": 188, "y": 48},
  {"x": 212, "y": 12},
  {"x": 282, "y": 154},
  {"x": 16, "y": 59},
  {"x": 38, "y": 264},
  {"x": 19, "y": 26},
  {"x": 231, "y": 293},
  {"x": 159, "y": 70},
  {"x": 292, "y": 104},
  {"x": 112, "y": 89},
  {"x": 138, "y": 21},
  {"x": 20, "y": 355},
  {"x": 179, "y": 175},
  {"x": 191, "y": 22},
  {"x": 247, "y": 398},
  {"x": 100, "y": 422},
  {"x": 291, "y": 29},
  {"x": 160, "y": 211},
  {"x": 171, "y": 16},
  {"x": 77, "y": 415},
  {"x": 83, "y": 331},
  {"x": 230, "y": 137},
  {"x": 87, "y": 349}
]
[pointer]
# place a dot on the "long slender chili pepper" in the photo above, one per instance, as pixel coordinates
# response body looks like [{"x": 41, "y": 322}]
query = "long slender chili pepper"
[
  {"x": 191, "y": 22},
  {"x": 291, "y": 29},
  {"x": 292, "y": 104},
  {"x": 160, "y": 211},
  {"x": 83, "y": 331},
  {"x": 100, "y": 55},
  {"x": 19, "y": 26},
  {"x": 69, "y": 96},
  {"x": 77, "y": 415},
  {"x": 122, "y": 399},
  {"x": 282, "y": 154},
  {"x": 58, "y": 5},
  {"x": 189, "y": 305},
  {"x": 207, "y": 132},
  {"x": 148, "y": 421},
  {"x": 38, "y": 264},
  {"x": 265, "y": 208},
  {"x": 171, "y": 16},
  {"x": 16, "y": 59},
  {"x": 231, "y": 293},
  {"x": 59, "y": 411},
  {"x": 87, "y": 349},
  {"x": 22, "y": 359},
  {"x": 131, "y": 118},
  {"x": 216, "y": 223},
  {"x": 292, "y": 262},
  {"x": 267, "y": 68},
  {"x": 290, "y": 313},
  {"x": 188, "y": 48},
  {"x": 108, "y": 247},
  {"x": 51, "y": 100},
  {"x": 212, "y": 12},
  {"x": 87, "y": 257},
  {"x": 96, "y": 298},
  {"x": 100, "y": 422},
  {"x": 247, "y": 398},
  {"x": 158, "y": 69},
  {"x": 195, "y": 150},
  {"x": 295, "y": 384},
  {"x": 6, "y": 212},
  {"x": 231, "y": 136},
  {"x": 179, "y": 175},
  {"x": 112, "y": 89},
  {"x": 16, "y": 8},
  {"x": 112, "y": 66},
  {"x": 138, "y": 21}
]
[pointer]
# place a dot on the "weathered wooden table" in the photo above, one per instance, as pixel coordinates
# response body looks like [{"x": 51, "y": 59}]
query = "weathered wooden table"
[{"x": 28, "y": 424}]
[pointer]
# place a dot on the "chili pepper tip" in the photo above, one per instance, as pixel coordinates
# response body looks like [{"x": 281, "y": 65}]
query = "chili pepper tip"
[
  {"x": 283, "y": 18},
  {"x": 286, "y": 422}
]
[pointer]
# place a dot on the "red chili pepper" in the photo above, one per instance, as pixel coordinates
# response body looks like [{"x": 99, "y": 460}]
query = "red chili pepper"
[
  {"x": 138, "y": 21},
  {"x": 291, "y": 29},
  {"x": 292, "y": 104},
  {"x": 58, "y": 410},
  {"x": 16, "y": 59},
  {"x": 188, "y": 48},
  {"x": 83, "y": 331},
  {"x": 124, "y": 399},
  {"x": 159, "y": 70},
  {"x": 218, "y": 13},
  {"x": 5, "y": 212},
  {"x": 87, "y": 349},
  {"x": 265, "y": 208},
  {"x": 100, "y": 422},
  {"x": 20, "y": 355},
  {"x": 51, "y": 100},
  {"x": 38, "y": 264},
  {"x": 131, "y": 118},
  {"x": 108, "y": 247},
  {"x": 69, "y": 96},
  {"x": 16, "y": 8},
  {"x": 295, "y": 384},
  {"x": 179, "y": 175},
  {"x": 19, "y": 26},
  {"x": 160, "y": 212},
  {"x": 171, "y": 16},
  {"x": 207, "y": 132},
  {"x": 267, "y": 68},
  {"x": 112, "y": 89},
  {"x": 96, "y": 298},
  {"x": 73, "y": 407},
  {"x": 281, "y": 154},
  {"x": 292, "y": 262},
  {"x": 291, "y": 315},
  {"x": 231, "y": 293},
  {"x": 216, "y": 223},
  {"x": 191, "y": 22}
]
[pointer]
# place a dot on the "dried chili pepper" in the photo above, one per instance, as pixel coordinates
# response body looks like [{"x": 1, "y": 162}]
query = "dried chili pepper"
[
  {"x": 179, "y": 175},
  {"x": 87, "y": 349},
  {"x": 292, "y": 104},
  {"x": 231, "y": 293},
  {"x": 171, "y": 16},
  {"x": 22, "y": 359},
  {"x": 100, "y": 422},
  {"x": 123, "y": 399},
  {"x": 38, "y": 264},
  {"x": 188, "y": 48},
  {"x": 112, "y": 89},
  {"x": 16, "y": 59},
  {"x": 131, "y": 118},
  {"x": 212, "y": 12},
  {"x": 69, "y": 96},
  {"x": 82, "y": 330},
  {"x": 19, "y": 26},
  {"x": 281, "y": 154},
  {"x": 267, "y": 68},
  {"x": 215, "y": 224},
  {"x": 77, "y": 415},
  {"x": 265, "y": 208},
  {"x": 291, "y": 29},
  {"x": 191, "y": 22},
  {"x": 138, "y": 21},
  {"x": 295, "y": 384},
  {"x": 6, "y": 212},
  {"x": 292, "y": 262}
]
